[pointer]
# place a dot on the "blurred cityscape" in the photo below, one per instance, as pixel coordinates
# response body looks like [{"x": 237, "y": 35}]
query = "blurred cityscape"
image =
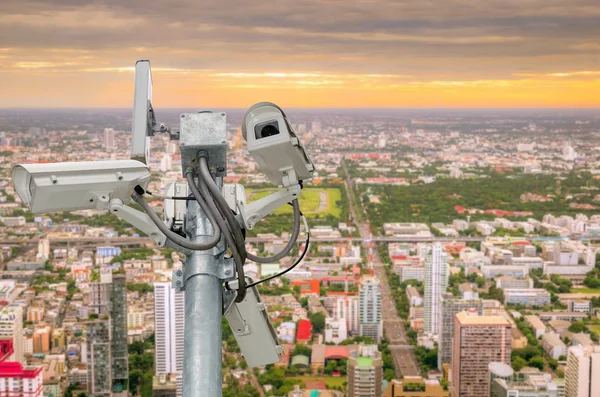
[{"x": 453, "y": 253}]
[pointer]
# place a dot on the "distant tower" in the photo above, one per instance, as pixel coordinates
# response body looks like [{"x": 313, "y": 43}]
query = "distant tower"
[
  {"x": 365, "y": 372},
  {"x": 109, "y": 139},
  {"x": 477, "y": 342},
  {"x": 436, "y": 282},
  {"x": 169, "y": 320},
  {"x": 108, "y": 358},
  {"x": 371, "y": 323}
]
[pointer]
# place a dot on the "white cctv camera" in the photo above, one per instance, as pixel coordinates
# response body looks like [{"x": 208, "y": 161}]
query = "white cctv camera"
[
  {"x": 274, "y": 145},
  {"x": 78, "y": 185},
  {"x": 253, "y": 330}
]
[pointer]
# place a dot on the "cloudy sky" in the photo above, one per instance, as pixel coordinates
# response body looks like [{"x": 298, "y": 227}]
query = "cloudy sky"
[{"x": 302, "y": 53}]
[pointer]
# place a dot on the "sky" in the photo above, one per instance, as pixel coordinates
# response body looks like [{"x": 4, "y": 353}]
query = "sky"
[{"x": 302, "y": 53}]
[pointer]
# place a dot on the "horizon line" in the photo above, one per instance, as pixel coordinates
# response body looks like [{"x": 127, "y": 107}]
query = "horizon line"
[{"x": 319, "y": 108}]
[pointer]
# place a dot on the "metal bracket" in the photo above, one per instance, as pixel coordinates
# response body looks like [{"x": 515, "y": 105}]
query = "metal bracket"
[
  {"x": 143, "y": 222},
  {"x": 255, "y": 211},
  {"x": 223, "y": 269},
  {"x": 228, "y": 299}
]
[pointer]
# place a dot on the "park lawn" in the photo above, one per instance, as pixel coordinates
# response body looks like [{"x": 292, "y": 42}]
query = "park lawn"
[
  {"x": 585, "y": 290},
  {"x": 329, "y": 381},
  {"x": 310, "y": 200},
  {"x": 594, "y": 327}
]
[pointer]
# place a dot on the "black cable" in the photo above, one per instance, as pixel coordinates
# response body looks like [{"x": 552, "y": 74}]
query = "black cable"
[
  {"x": 307, "y": 242},
  {"x": 201, "y": 192},
  {"x": 222, "y": 204},
  {"x": 177, "y": 239},
  {"x": 293, "y": 238}
]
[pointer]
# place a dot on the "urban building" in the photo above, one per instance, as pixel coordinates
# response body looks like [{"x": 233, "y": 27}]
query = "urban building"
[
  {"x": 478, "y": 341},
  {"x": 527, "y": 297},
  {"x": 346, "y": 308},
  {"x": 581, "y": 375},
  {"x": 580, "y": 306},
  {"x": 365, "y": 373},
  {"x": 449, "y": 308},
  {"x": 530, "y": 383},
  {"x": 371, "y": 322},
  {"x": 16, "y": 379},
  {"x": 169, "y": 320},
  {"x": 553, "y": 345},
  {"x": 415, "y": 386},
  {"x": 108, "y": 357},
  {"x": 109, "y": 139},
  {"x": 514, "y": 283},
  {"x": 436, "y": 282},
  {"x": 537, "y": 326},
  {"x": 11, "y": 326}
]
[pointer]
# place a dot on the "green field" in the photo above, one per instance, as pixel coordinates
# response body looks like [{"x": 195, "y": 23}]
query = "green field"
[
  {"x": 310, "y": 200},
  {"x": 329, "y": 381},
  {"x": 585, "y": 291},
  {"x": 594, "y": 327}
]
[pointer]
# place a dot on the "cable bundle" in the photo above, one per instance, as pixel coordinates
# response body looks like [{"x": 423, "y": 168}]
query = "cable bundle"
[{"x": 223, "y": 220}]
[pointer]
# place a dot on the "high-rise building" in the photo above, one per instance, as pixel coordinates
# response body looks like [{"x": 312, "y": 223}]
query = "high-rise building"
[
  {"x": 478, "y": 341},
  {"x": 109, "y": 139},
  {"x": 44, "y": 249},
  {"x": 450, "y": 307},
  {"x": 436, "y": 282},
  {"x": 99, "y": 377},
  {"x": 371, "y": 323},
  {"x": 346, "y": 308},
  {"x": 582, "y": 376},
  {"x": 169, "y": 319},
  {"x": 108, "y": 299},
  {"x": 41, "y": 340},
  {"x": 365, "y": 373},
  {"x": 17, "y": 380},
  {"x": 11, "y": 326}
]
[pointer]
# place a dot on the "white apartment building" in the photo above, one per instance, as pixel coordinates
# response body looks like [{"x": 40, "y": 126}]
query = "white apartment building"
[
  {"x": 169, "y": 316},
  {"x": 109, "y": 139},
  {"x": 371, "y": 322},
  {"x": 346, "y": 308},
  {"x": 335, "y": 330},
  {"x": 436, "y": 282},
  {"x": 582, "y": 374}
]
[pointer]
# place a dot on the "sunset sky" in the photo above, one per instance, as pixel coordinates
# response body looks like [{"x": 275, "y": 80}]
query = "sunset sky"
[{"x": 302, "y": 53}]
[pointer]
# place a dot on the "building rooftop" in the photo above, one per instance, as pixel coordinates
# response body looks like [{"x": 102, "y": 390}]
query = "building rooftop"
[
  {"x": 364, "y": 361},
  {"x": 466, "y": 318}
]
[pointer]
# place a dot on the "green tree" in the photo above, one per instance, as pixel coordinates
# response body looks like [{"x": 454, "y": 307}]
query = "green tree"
[{"x": 318, "y": 322}]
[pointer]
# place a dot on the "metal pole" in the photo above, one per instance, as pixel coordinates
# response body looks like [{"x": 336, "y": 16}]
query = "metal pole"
[{"x": 203, "y": 311}]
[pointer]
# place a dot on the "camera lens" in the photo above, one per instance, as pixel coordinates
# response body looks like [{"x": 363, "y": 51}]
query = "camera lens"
[{"x": 266, "y": 129}]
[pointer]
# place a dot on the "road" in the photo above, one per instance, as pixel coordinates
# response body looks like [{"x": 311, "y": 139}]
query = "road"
[{"x": 393, "y": 326}]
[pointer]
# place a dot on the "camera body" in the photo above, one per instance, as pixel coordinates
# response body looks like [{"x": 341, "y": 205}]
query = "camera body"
[
  {"x": 75, "y": 186},
  {"x": 274, "y": 145}
]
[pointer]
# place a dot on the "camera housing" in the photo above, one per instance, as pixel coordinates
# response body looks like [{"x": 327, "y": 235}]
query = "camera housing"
[
  {"x": 274, "y": 145},
  {"x": 74, "y": 186},
  {"x": 253, "y": 330}
]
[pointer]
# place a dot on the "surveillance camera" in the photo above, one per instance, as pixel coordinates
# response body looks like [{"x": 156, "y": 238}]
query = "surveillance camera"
[
  {"x": 78, "y": 185},
  {"x": 274, "y": 145},
  {"x": 253, "y": 330}
]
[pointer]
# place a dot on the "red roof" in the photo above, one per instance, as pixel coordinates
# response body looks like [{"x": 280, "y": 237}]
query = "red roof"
[
  {"x": 304, "y": 330},
  {"x": 336, "y": 352},
  {"x": 459, "y": 209},
  {"x": 314, "y": 286},
  {"x": 521, "y": 243},
  {"x": 12, "y": 369}
]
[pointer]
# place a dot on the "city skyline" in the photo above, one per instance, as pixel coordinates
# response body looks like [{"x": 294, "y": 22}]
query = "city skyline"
[{"x": 319, "y": 54}]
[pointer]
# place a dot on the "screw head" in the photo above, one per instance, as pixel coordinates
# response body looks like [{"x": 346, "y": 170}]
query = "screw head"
[
  {"x": 178, "y": 283},
  {"x": 179, "y": 273},
  {"x": 227, "y": 272},
  {"x": 183, "y": 116},
  {"x": 220, "y": 169}
]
